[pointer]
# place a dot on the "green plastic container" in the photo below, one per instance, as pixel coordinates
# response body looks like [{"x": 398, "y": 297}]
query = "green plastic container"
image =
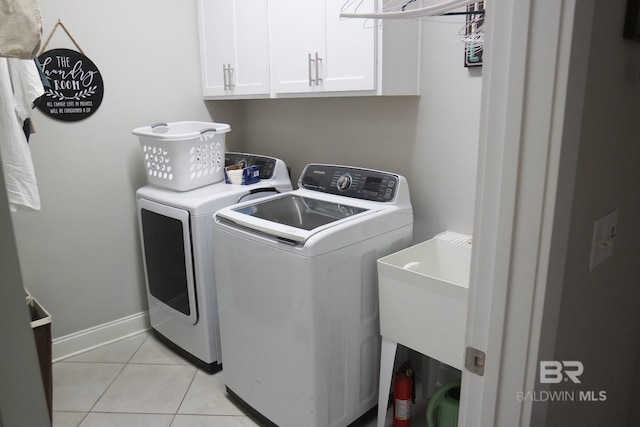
[{"x": 443, "y": 407}]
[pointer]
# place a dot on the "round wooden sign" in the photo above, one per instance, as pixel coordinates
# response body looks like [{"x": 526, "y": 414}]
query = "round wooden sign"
[{"x": 75, "y": 85}]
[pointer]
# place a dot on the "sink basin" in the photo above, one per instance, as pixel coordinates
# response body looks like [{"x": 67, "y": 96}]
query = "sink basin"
[{"x": 423, "y": 294}]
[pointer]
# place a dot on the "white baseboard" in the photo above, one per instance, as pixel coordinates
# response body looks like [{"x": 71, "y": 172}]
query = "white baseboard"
[{"x": 89, "y": 339}]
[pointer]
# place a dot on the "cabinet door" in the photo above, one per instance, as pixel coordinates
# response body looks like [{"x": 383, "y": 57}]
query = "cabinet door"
[
  {"x": 216, "y": 47},
  {"x": 297, "y": 31},
  {"x": 314, "y": 50},
  {"x": 350, "y": 49},
  {"x": 234, "y": 47}
]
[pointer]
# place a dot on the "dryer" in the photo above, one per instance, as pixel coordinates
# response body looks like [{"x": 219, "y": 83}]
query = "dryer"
[
  {"x": 177, "y": 246},
  {"x": 297, "y": 293}
]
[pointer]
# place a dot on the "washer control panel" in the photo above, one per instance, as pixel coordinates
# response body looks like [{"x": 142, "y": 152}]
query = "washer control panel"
[
  {"x": 349, "y": 181},
  {"x": 267, "y": 164}
]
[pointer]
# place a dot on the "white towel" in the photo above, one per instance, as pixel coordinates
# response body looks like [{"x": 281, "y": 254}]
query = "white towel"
[{"x": 20, "y": 85}]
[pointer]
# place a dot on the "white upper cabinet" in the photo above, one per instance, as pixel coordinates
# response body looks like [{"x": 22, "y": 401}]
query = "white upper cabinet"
[
  {"x": 234, "y": 48},
  {"x": 302, "y": 48}
]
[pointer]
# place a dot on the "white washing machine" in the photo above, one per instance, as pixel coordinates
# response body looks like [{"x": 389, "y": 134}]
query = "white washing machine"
[
  {"x": 297, "y": 293},
  {"x": 177, "y": 246}
]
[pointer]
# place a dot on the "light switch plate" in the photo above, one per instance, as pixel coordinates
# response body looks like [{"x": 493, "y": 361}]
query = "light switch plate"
[{"x": 604, "y": 233}]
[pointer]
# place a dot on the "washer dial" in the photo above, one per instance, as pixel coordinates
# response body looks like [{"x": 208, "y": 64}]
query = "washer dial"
[{"x": 344, "y": 182}]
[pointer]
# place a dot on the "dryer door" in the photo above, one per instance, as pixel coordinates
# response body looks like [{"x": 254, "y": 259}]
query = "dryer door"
[{"x": 168, "y": 262}]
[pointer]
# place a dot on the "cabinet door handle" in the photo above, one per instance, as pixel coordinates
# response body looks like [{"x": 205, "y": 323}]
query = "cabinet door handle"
[
  {"x": 224, "y": 76},
  {"x": 318, "y": 79},
  {"x": 310, "y": 60},
  {"x": 230, "y": 72}
]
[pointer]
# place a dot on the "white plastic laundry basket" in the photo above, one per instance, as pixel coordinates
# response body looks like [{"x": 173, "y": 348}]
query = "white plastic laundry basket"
[{"x": 182, "y": 156}]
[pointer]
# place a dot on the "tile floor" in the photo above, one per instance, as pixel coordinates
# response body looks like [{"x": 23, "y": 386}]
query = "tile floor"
[{"x": 138, "y": 382}]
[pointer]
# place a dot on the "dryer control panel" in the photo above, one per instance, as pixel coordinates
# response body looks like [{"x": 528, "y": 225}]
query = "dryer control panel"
[
  {"x": 267, "y": 164},
  {"x": 350, "y": 181}
]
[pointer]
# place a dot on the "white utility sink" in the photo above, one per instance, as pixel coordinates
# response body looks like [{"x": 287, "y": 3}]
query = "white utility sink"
[{"x": 423, "y": 296}]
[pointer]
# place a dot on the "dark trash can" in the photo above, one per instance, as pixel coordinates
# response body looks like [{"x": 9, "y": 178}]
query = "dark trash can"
[{"x": 41, "y": 326}]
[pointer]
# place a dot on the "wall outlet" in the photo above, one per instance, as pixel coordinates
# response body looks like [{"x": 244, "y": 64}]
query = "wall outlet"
[{"x": 604, "y": 233}]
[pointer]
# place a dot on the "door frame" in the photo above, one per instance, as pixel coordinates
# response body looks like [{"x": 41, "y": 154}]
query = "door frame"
[{"x": 529, "y": 132}]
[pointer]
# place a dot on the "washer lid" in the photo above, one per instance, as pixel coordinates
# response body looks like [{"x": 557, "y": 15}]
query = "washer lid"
[{"x": 291, "y": 217}]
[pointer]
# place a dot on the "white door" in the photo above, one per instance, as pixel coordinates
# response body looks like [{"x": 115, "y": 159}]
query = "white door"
[
  {"x": 297, "y": 42},
  {"x": 314, "y": 50},
  {"x": 234, "y": 47},
  {"x": 525, "y": 117},
  {"x": 22, "y": 395},
  {"x": 351, "y": 51},
  {"x": 216, "y": 44},
  {"x": 249, "y": 74}
]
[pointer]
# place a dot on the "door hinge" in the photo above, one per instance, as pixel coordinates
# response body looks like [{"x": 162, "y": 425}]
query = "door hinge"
[{"x": 474, "y": 361}]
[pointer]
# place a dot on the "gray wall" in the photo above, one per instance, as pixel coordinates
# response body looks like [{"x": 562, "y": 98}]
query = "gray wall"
[
  {"x": 80, "y": 255},
  {"x": 431, "y": 139},
  {"x": 599, "y": 319}
]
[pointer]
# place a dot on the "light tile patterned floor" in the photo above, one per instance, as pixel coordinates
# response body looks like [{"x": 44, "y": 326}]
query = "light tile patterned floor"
[{"x": 138, "y": 382}]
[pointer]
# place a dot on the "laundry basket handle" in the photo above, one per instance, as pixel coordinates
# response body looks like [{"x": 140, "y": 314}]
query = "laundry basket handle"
[
  {"x": 203, "y": 131},
  {"x": 160, "y": 127}
]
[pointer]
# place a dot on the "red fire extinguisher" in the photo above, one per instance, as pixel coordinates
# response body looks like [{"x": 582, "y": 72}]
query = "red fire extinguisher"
[{"x": 404, "y": 395}]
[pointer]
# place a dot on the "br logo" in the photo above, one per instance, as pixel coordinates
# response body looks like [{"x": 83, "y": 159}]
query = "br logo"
[{"x": 554, "y": 372}]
